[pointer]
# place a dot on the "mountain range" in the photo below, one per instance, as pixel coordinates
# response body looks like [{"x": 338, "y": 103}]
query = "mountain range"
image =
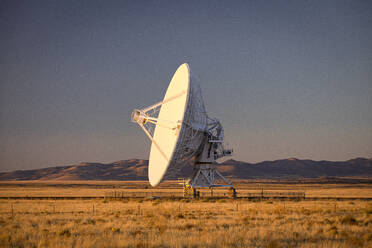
[{"x": 136, "y": 169}]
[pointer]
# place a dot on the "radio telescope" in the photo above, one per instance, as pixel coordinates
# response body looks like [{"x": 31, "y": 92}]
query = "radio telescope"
[{"x": 182, "y": 134}]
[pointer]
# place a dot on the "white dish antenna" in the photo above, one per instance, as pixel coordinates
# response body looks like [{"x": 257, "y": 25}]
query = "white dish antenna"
[{"x": 182, "y": 133}]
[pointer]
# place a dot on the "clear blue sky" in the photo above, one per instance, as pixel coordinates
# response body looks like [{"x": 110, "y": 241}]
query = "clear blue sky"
[{"x": 286, "y": 78}]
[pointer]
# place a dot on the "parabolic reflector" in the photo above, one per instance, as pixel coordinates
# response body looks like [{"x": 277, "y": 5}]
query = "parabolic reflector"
[{"x": 180, "y": 125}]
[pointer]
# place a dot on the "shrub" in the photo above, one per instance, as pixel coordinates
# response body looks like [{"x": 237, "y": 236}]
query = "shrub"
[
  {"x": 348, "y": 220},
  {"x": 327, "y": 221},
  {"x": 189, "y": 226},
  {"x": 161, "y": 228},
  {"x": 246, "y": 220},
  {"x": 90, "y": 221},
  {"x": 180, "y": 216},
  {"x": 333, "y": 230},
  {"x": 355, "y": 241},
  {"x": 273, "y": 244},
  {"x": 135, "y": 232},
  {"x": 226, "y": 226},
  {"x": 65, "y": 232},
  {"x": 368, "y": 237}
]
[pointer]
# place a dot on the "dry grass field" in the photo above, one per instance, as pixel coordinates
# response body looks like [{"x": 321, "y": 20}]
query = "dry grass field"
[
  {"x": 221, "y": 223},
  {"x": 183, "y": 223}
]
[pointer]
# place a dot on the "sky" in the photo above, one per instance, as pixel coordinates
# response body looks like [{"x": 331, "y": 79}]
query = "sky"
[{"x": 285, "y": 78}]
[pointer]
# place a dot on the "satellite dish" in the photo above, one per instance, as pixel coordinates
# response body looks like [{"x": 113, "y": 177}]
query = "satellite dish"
[{"x": 182, "y": 133}]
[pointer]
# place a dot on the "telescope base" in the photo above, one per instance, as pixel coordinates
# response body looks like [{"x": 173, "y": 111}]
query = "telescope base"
[{"x": 205, "y": 176}]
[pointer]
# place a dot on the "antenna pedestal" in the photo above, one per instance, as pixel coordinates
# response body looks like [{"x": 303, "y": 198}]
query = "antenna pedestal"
[
  {"x": 205, "y": 173},
  {"x": 205, "y": 176}
]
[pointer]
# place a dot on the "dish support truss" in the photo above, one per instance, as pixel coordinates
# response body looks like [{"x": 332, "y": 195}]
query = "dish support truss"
[
  {"x": 205, "y": 173},
  {"x": 200, "y": 141}
]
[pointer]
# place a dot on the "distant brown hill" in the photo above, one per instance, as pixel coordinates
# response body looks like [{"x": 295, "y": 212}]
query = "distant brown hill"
[
  {"x": 136, "y": 169},
  {"x": 297, "y": 168}
]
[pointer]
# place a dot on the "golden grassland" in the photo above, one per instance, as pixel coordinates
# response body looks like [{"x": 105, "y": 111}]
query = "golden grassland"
[
  {"x": 185, "y": 223},
  {"x": 206, "y": 222}
]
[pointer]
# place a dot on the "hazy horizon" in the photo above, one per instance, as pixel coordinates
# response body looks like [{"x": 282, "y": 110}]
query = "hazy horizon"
[
  {"x": 143, "y": 159},
  {"x": 286, "y": 79}
]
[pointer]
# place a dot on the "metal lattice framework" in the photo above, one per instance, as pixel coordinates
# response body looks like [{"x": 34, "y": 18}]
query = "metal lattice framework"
[{"x": 195, "y": 126}]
